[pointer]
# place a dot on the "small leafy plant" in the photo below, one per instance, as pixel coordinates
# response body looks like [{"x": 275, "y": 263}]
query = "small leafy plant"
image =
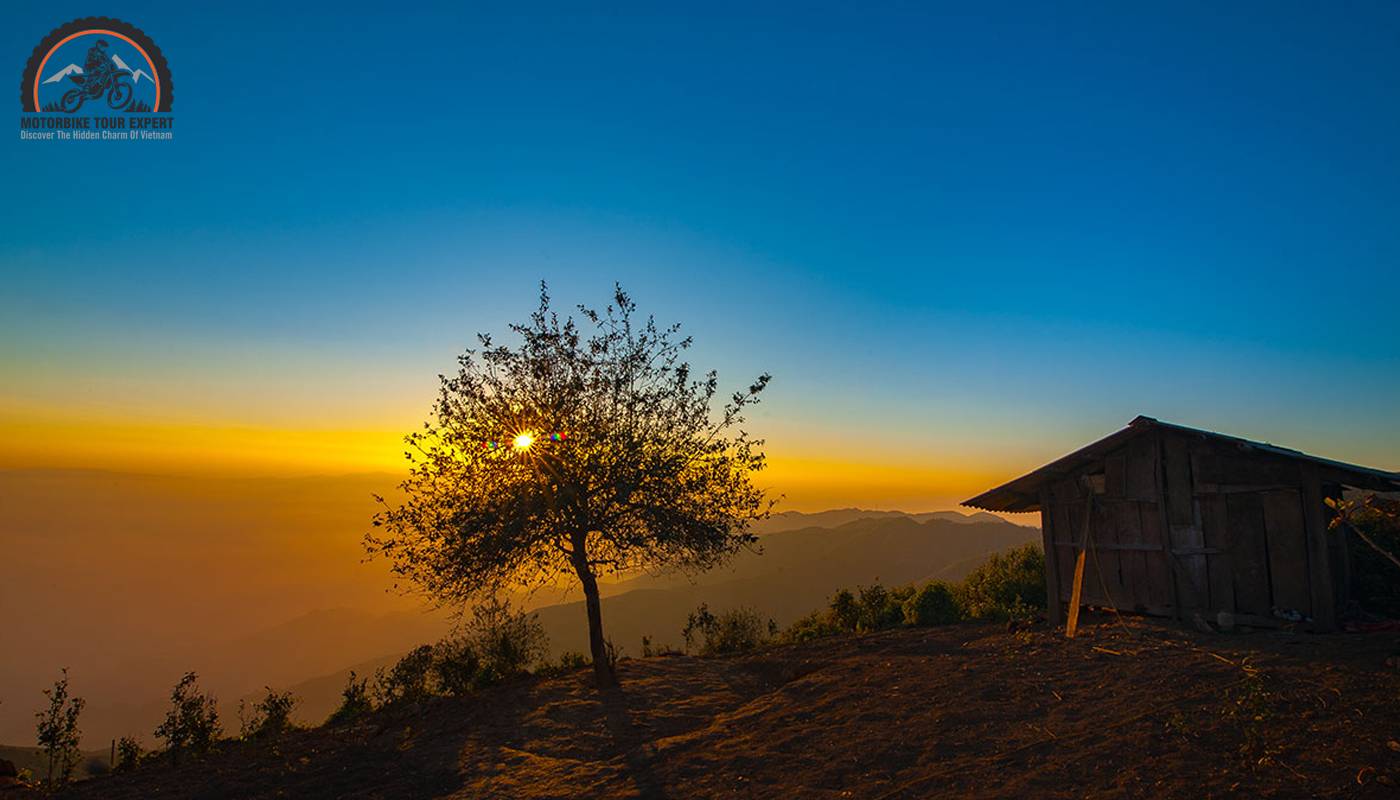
[
  {"x": 192, "y": 723},
  {"x": 128, "y": 753},
  {"x": 407, "y": 680},
  {"x": 736, "y": 631},
  {"x": 355, "y": 701},
  {"x": 58, "y": 733},
  {"x": 269, "y": 717}
]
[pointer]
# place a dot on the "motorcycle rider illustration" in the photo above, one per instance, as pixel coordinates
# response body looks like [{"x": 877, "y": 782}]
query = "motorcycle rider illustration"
[
  {"x": 97, "y": 69},
  {"x": 100, "y": 74}
]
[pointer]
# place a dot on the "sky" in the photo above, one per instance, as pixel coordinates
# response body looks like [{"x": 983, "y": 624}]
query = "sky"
[{"x": 963, "y": 240}]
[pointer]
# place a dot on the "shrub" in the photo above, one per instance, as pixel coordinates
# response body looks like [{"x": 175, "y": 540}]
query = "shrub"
[
  {"x": 737, "y": 631},
  {"x": 1010, "y": 585},
  {"x": 572, "y": 660},
  {"x": 652, "y": 650},
  {"x": 456, "y": 668},
  {"x": 697, "y": 623},
  {"x": 845, "y": 611},
  {"x": 878, "y": 608},
  {"x": 612, "y": 654},
  {"x": 193, "y": 720},
  {"x": 507, "y": 642},
  {"x": 354, "y": 701},
  {"x": 128, "y": 753},
  {"x": 568, "y": 662},
  {"x": 96, "y": 766},
  {"x": 935, "y": 603},
  {"x": 816, "y": 625},
  {"x": 271, "y": 716},
  {"x": 407, "y": 680},
  {"x": 496, "y": 644},
  {"x": 58, "y": 732}
]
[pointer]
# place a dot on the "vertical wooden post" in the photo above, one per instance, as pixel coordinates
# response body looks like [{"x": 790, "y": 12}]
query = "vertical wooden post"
[
  {"x": 1324, "y": 605},
  {"x": 1076, "y": 593},
  {"x": 1054, "y": 606}
]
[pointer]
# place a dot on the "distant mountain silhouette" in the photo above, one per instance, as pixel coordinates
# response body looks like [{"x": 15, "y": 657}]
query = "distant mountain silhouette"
[{"x": 792, "y": 520}]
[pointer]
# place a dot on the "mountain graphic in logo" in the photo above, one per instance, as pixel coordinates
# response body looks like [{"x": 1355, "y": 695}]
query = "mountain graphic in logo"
[
  {"x": 74, "y": 69},
  {"x": 71, "y": 69},
  {"x": 136, "y": 75}
]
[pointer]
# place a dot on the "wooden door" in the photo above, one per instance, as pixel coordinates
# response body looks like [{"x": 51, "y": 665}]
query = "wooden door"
[{"x": 1265, "y": 553}]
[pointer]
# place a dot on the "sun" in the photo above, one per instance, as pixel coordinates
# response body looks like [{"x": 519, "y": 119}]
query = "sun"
[{"x": 523, "y": 441}]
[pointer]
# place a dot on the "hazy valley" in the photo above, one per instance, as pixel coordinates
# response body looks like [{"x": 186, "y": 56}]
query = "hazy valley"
[{"x": 193, "y": 573}]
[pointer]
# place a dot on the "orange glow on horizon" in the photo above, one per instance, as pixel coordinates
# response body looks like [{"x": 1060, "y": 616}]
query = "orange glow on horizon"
[{"x": 807, "y": 481}]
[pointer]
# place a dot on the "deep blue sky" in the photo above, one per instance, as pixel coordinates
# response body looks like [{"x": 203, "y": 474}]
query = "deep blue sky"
[{"x": 1000, "y": 230}]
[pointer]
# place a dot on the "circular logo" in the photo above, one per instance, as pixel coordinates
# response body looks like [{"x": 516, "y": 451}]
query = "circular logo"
[{"x": 96, "y": 65}]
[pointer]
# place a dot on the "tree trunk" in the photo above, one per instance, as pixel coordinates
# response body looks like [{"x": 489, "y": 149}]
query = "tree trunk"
[{"x": 602, "y": 666}]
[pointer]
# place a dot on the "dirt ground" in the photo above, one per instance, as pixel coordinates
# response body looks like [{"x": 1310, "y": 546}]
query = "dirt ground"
[{"x": 1129, "y": 709}]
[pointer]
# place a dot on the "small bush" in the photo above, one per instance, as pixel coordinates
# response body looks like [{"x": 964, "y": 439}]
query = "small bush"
[
  {"x": 568, "y": 662},
  {"x": 816, "y": 625},
  {"x": 193, "y": 720},
  {"x": 652, "y": 650},
  {"x": 935, "y": 603},
  {"x": 270, "y": 716},
  {"x": 737, "y": 631},
  {"x": 58, "y": 733},
  {"x": 506, "y": 642},
  {"x": 496, "y": 644},
  {"x": 457, "y": 668},
  {"x": 878, "y": 608},
  {"x": 128, "y": 753},
  {"x": 572, "y": 660},
  {"x": 1011, "y": 585},
  {"x": 407, "y": 680},
  {"x": 612, "y": 653},
  {"x": 355, "y": 701},
  {"x": 845, "y": 611}
]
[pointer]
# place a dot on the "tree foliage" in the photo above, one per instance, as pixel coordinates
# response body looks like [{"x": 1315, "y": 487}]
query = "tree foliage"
[
  {"x": 408, "y": 681},
  {"x": 1375, "y": 521},
  {"x": 1010, "y": 585},
  {"x": 58, "y": 733},
  {"x": 630, "y": 463},
  {"x": 128, "y": 753},
  {"x": 269, "y": 717},
  {"x": 192, "y": 723},
  {"x": 355, "y": 701},
  {"x": 737, "y": 630}
]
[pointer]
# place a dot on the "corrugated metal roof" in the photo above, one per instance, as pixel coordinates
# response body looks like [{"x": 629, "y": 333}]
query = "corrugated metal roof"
[{"x": 1023, "y": 493}]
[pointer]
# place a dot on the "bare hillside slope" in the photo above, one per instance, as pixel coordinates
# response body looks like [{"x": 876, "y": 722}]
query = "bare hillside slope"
[{"x": 962, "y": 711}]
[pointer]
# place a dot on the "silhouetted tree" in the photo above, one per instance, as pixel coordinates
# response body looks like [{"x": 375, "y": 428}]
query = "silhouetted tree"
[
  {"x": 575, "y": 452},
  {"x": 58, "y": 733},
  {"x": 192, "y": 723}
]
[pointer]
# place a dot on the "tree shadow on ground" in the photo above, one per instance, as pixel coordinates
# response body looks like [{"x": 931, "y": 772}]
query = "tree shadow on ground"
[{"x": 631, "y": 743}]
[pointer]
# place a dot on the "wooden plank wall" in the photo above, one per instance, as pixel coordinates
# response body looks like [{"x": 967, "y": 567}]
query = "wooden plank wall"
[
  {"x": 1249, "y": 515},
  {"x": 1127, "y": 567},
  {"x": 1185, "y": 529},
  {"x": 1184, "y": 524}
]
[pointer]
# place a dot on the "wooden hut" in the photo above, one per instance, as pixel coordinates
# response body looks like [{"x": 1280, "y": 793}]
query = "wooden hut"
[{"x": 1175, "y": 521}]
